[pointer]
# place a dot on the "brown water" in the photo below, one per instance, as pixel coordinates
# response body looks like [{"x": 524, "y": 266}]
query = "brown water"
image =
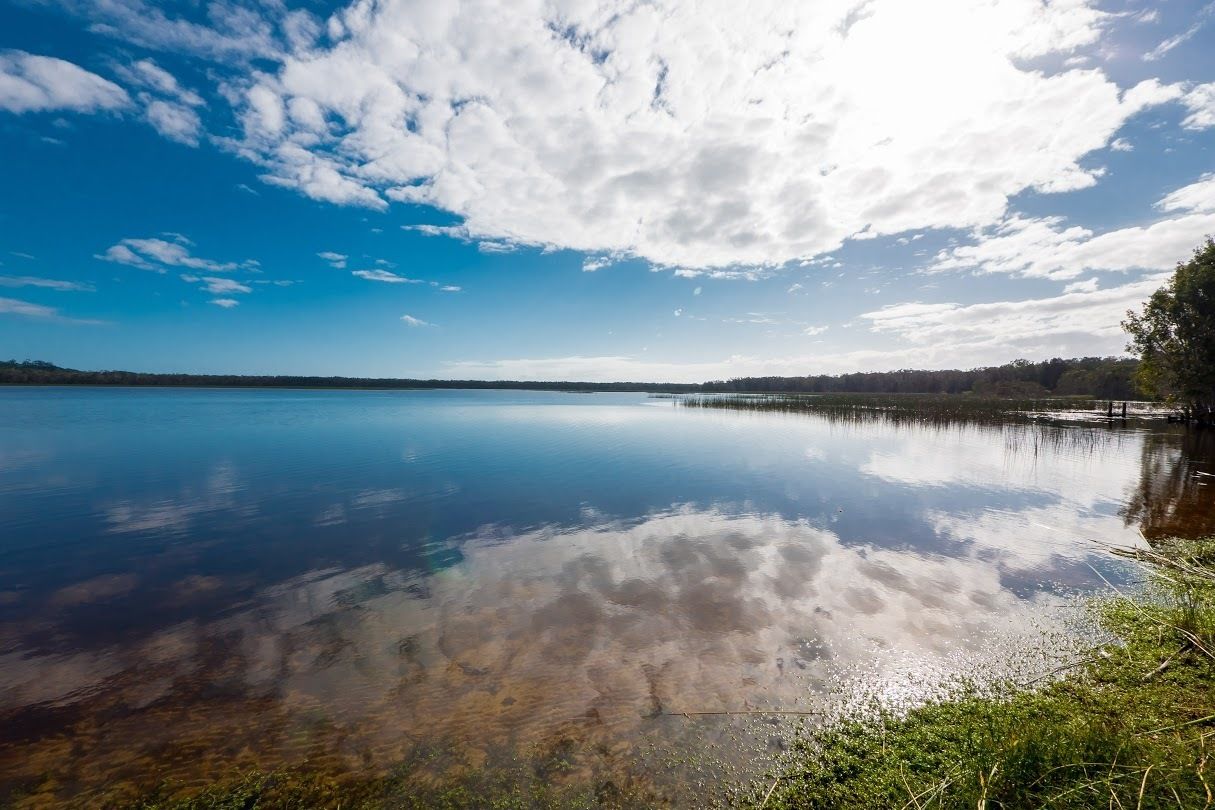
[{"x": 538, "y": 586}]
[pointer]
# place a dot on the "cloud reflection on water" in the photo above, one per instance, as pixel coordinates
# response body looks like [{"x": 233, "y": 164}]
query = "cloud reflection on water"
[{"x": 687, "y": 609}]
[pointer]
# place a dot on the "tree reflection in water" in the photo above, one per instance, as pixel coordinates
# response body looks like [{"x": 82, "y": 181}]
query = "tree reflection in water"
[{"x": 1175, "y": 496}]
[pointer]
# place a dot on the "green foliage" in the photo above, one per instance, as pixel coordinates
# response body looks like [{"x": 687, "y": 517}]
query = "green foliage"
[
  {"x": 1132, "y": 727},
  {"x": 1174, "y": 336}
]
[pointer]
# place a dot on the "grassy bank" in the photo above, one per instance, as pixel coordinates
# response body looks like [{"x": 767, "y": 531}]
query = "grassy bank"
[{"x": 1132, "y": 725}]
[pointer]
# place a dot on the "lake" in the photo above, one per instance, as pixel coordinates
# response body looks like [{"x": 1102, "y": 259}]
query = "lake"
[{"x": 444, "y": 584}]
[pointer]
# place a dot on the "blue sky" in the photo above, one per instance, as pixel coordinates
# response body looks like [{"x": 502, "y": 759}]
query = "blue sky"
[{"x": 594, "y": 190}]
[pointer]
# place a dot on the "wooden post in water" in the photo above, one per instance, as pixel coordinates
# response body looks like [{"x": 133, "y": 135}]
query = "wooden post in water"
[
  {"x": 1110, "y": 412},
  {"x": 1124, "y": 411}
]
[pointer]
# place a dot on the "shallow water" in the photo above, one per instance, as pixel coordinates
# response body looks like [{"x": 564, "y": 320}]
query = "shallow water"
[{"x": 198, "y": 581}]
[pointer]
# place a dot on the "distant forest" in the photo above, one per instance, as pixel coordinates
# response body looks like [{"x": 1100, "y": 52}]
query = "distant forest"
[{"x": 1099, "y": 377}]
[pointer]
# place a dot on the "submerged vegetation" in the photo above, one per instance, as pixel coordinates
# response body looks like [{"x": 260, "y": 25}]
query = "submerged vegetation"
[{"x": 1129, "y": 724}]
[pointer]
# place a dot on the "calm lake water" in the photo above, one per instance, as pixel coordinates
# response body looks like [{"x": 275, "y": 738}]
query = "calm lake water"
[{"x": 196, "y": 582}]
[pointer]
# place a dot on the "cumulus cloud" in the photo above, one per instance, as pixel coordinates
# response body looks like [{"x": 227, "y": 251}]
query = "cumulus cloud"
[
  {"x": 222, "y": 286},
  {"x": 233, "y": 31},
  {"x": 410, "y": 320},
  {"x": 336, "y": 260},
  {"x": 176, "y": 122},
  {"x": 226, "y": 303},
  {"x": 1046, "y": 247},
  {"x": 167, "y": 105},
  {"x": 1080, "y": 322},
  {"x": 1200, "y": 101},
  {"x": 1198, "y": 196},
  {"x": 158, "y": 255},
  {"x": 696, "y": 135},
  {"x": 147, "y": 74},
  {"x": 32, "y": 83}
]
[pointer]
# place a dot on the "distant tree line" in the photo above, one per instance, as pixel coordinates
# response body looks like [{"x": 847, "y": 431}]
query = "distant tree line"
[
  {"x": 1100, "y": 377},
  {"x": 38, "y": 372}
]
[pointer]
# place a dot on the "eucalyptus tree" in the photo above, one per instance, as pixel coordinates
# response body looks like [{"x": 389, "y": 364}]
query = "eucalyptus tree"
[{"x": 1174, "y": 337}]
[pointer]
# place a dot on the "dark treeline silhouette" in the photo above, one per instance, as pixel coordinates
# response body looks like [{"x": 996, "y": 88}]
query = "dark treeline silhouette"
[
  {"x": 1099, "y": 377},
  {"x": 1102, "y": 378},
  {"x": 37, "y": 372}
]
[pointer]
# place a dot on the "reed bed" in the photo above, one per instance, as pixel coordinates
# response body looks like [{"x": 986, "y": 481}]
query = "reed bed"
[{"x": 944, "y": 409}]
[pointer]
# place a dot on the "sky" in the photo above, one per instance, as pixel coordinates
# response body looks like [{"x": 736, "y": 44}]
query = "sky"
[{"x": 594, "y": 190}]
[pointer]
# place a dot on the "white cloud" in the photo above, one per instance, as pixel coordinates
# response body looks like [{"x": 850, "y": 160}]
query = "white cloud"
[
  {"x": 12, "y": 306},
  {"x": 385, "y": 276},
  {"x": 233, "y": 32},
  {"x": 450, "y": 288},
  {"x": 410, "y": 320},
  {"x": 1048, "y": 248},
  {"x": 593, "y": 263},
  {"x": 814, "y": 330},
  {"x": 1083, "y": 322},
  {"x": 48, "y": 283},
  {"x": 167, "y": 105},
  {"x": 146, "y": 73},
  {"x": 496, "y": 247},
  {"x": 699, "y": 135},
  {"x": 697, "y": 291},
  {"x": 176, "y": 122},
  {"x": 226, "y": 303},
  {"x": 794, "y": 287},
  {"x": 157, "y": 255},
  {"x": 1200, "y": 101},
  {"x": 1122, "y": 145},
  {"x": 222, "y": 286},
  {"x": 336, "y": 260},
  {"x": 1088, "y": 285},
  {"x": 1201, "y": 19},
  {"x": 31, "y": 83},
  {"x": 1198, "y": 196}
]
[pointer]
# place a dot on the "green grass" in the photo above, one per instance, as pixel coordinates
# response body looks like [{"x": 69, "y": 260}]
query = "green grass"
[{"x": 1133, "y": 726}]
